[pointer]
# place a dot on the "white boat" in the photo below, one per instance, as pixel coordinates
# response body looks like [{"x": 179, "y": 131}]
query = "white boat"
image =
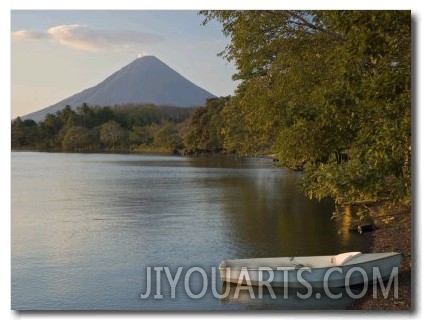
[{"x": 341, "y": 270}]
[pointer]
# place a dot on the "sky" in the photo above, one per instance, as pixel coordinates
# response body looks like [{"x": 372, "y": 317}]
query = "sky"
[{"x": 57, "y": 53}]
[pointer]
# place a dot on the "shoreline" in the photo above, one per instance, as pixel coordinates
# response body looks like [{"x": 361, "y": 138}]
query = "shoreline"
[{"x": 393, "y": 233}]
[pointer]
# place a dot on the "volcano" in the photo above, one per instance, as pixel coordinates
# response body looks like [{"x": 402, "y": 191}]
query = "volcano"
[{"x": 145, "y": 80}]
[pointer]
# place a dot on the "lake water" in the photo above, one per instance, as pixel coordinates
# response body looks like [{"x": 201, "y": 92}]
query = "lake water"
[{"x": 86, "y": 227}]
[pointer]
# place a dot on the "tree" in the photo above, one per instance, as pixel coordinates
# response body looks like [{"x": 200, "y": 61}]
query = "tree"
[
  {"x": 327, "y": 91},
  {"x": 377, "y": 72},
  {"x": 140, "y": 135},
  {"x": 168, "y": 137},
  {"x": 67, "y": 116},
  {"x": 206, "y": 125},
  {"x": 112, "y": 134},
  {"x": 92, "y": 128},
  {"x": 101, "y": 115},
  {"x": 77, "y": 138},
  {"x": 23, "y": 133},
  {"x": 86, "y": 113}
]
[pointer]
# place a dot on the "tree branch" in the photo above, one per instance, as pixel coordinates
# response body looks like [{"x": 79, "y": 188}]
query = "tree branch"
[{"x": 306, "y": 23}]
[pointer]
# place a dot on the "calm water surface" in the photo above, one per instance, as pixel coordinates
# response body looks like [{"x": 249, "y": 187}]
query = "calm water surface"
[{"x": 85, "y": 227}]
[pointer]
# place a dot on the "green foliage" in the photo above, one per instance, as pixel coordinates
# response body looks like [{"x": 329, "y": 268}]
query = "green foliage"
[
  {"x": 94, "y": 128},
  {"x": 112, "y": 134},
  {"x": 140, "y": 135},
  {"x": 24, "y": 133},
  {"x": 78, "y": 138},
  {"x": 205, "y": 128},
  {"x": 169, "y": 137},
  {"x": 327, "y": 91}
]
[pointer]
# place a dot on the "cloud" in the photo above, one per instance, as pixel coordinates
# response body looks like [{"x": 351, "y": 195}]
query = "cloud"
[
  {"x": 28, "y": 35},
  {"x": 143, "y": 53},
  {"x": 82, "y": 37}
]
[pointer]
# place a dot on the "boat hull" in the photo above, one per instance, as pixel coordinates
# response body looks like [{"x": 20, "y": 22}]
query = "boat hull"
[{"x": 367, "y": 268}]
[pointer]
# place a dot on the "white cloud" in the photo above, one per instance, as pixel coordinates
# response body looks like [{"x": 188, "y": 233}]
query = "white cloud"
[
  {"x": 28, "y": 35},
  {"x": 143, "y": 53},
  {"x": 82, "y": 37}
]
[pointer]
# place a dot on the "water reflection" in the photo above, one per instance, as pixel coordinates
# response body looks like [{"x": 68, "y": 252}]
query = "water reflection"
[
  {"x": 269, "y": 216},
  {"x": 267, "y": 297}
]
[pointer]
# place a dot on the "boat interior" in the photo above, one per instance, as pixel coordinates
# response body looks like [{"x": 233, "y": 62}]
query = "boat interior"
[{"x": 292, "y": 262}]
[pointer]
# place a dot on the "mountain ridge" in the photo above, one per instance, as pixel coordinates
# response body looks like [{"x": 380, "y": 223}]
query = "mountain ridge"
[{"x": 144, "y": 80}]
